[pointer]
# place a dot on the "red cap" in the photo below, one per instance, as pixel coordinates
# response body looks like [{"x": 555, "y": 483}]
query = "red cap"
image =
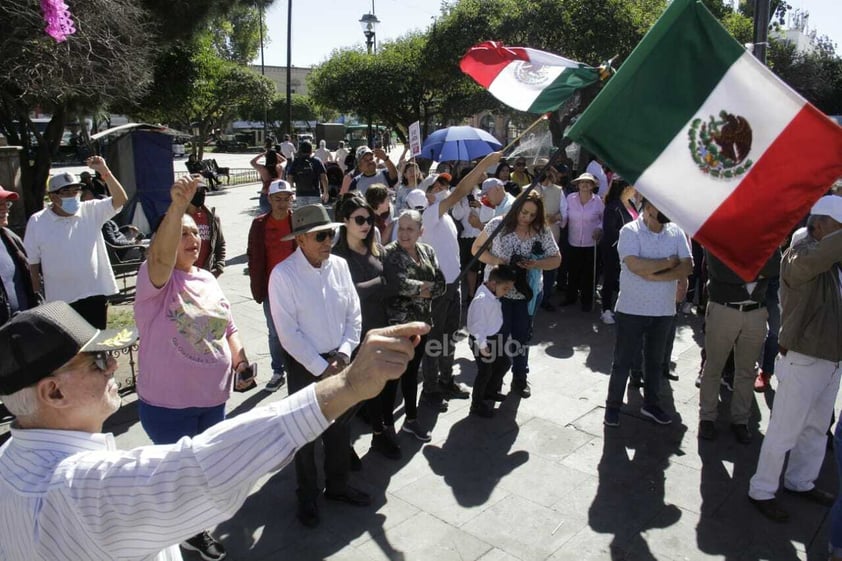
[{"x": 8, "y": 195}]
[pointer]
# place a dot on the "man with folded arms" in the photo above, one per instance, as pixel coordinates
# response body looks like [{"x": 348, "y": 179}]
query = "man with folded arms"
[
  {"x": 66, "y": 492},
  {"x": 316, "y": 311},
  {"x": 808, "y": 366}
]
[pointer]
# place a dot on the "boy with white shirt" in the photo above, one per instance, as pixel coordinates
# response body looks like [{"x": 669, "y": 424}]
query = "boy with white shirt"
[{"x": 485, "y": 319}]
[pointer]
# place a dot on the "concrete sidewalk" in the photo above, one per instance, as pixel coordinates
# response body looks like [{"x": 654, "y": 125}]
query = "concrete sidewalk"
[{"x": 543, "y": 480}]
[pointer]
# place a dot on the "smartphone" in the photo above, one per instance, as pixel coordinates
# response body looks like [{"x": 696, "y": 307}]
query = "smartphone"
[
  {"x": 250, "y": 375},
  {"x": 471, "y": 198}
]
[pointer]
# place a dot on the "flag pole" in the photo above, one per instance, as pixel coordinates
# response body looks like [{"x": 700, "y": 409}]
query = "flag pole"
[{"x": 543, "y": 117}]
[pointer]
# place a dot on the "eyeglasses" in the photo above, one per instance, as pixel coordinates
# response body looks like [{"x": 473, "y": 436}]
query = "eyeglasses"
[
  {"x": 325, "y": 235},
  {"x": 360, "y": 220},
  {"x": 100, "y": 360},
  {"x": 67, "y": 191}
]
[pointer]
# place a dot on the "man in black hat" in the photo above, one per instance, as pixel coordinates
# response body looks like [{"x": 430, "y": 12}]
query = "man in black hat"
[
  {"x": 317, "y": 315},
  {"x": 66, "y": 492}
]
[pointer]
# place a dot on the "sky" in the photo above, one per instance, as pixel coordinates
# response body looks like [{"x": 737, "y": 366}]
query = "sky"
[{"x": 320, "y": 26}]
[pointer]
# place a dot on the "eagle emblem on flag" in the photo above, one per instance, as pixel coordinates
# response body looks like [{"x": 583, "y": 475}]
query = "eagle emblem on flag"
[
  {"x": 531, "y": 74},
  {"x": 720, "y": 146}
]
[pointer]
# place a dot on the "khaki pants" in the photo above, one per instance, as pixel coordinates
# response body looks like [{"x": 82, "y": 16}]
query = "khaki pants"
[{"x": 726, "y": 329}]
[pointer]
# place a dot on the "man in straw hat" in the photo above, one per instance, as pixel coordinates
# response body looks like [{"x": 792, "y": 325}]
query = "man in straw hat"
[
  {"x": 66, "y": 492},
  {"x": 316, "y": 312}
]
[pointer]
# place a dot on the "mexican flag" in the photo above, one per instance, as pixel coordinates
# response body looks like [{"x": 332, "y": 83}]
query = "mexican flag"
[
  {"x": 715, "y": 140},
  {"x": 526, "y": 79}
]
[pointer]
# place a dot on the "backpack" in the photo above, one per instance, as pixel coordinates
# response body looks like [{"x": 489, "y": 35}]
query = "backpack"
[{"x": 305, "y": 177}]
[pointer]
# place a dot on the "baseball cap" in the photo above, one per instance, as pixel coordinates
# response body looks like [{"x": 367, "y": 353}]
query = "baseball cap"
[
  {"x": 38, "y": 341},
  {"x": 416, "y": 199},
  {"x": 62, "y": 180},
  {"x": 362, "y": 151},
  {"x": 829, "y": 205},
  {"x": 8, "y": 195},
  {"x": 432, "y": 178},
  {"x": 280, "y": 186},
  {"x": 491, "y": 183}
]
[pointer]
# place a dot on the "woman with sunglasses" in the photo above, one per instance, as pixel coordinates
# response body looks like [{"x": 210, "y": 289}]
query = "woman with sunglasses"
[
  {"x": 357, "y": 245},
  {"x": 189, "y": 346},
  {"x": 414, "y": 279}
]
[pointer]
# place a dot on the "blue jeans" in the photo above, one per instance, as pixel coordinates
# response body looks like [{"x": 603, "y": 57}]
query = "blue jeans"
[
  {"x": 633, "y": 334},
  {"x": 773, "y": 306},
  {"x": 263, "y": 203},
  {"x": 166, "y": 426},
  {"x": 276, "y": 351},
  {"x": 836, "y": 511},
  {"x": 517, "y": 326}
]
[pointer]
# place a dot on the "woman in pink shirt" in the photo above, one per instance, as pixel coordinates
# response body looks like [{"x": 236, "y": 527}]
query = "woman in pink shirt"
[{"x": 584, "y": 230}]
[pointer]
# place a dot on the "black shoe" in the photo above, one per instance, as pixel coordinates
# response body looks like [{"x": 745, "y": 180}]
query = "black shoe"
[
  {"x": 482, "y": 410},
  {"x": 350, "y": 495},
  {"x": 384, "y": 444},
  {"x": 522, "y": 389},
  {"x": 770, "y": 509},
  {"x": 434, "y": 401},
  {"x": 207, "y": 547},
  {"x": 496, "y": 396},
  {"x": 815, "y": 495},
  {"x": 454, "y": 390},
  {"x": 308, "y": 513},
  {"x": 707, "y": 430},
  {"x": 741, "y": 433},
  {"x": 355, "y": 463}
]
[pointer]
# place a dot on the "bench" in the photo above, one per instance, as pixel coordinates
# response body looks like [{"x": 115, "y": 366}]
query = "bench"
[
  {"x": 214, "y": 168},
  {"x": 125, "y": 263}
]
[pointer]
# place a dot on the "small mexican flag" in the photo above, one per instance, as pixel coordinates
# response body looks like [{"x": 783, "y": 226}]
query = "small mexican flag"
[
  {"x": 526, "y": 79},
  {"x": 713, "y": 138}
]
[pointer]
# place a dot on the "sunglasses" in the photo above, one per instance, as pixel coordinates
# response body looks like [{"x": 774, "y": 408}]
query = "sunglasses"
[
  {"x": 325, "y": 235},
  {"x": 100, "y": 360},
  {"x": 360, "y": 220}
]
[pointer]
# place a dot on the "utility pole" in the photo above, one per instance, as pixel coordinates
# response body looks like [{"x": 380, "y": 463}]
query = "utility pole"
[
  {"x": 263, "y": 73},
  {"x": 289, "y": 68},
  {"x": 761, "y": 29}
]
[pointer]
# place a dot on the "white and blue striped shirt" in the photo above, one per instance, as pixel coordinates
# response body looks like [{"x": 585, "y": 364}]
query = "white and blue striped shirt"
[{"x": 73, "y": 495}]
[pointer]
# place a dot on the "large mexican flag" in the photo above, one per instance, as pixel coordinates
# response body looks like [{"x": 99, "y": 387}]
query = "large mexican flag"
[{"x": 713, "y": 138}]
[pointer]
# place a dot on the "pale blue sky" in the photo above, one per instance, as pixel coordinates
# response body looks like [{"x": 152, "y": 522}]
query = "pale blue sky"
[{"x": 320, "y": 26}]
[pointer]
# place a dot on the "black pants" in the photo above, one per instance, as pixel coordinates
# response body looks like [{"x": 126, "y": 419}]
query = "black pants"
[
  {"x": 409, "y": 388},
  {"x": 490, "y": 369},
  {"x": 580, "y": 266},
  {"x": 610, "y": 277},
  {"x": 94, "y": 309},
  {"x": 336, "y": 440}
]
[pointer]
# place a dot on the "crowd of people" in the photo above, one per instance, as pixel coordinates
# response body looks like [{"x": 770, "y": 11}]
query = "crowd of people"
[{"x": 360, "y": 304}]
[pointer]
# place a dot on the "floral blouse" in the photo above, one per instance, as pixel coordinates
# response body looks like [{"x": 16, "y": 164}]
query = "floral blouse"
[
  {"x": 505, "y": 245},
  {"x": 404, "y": 277}
]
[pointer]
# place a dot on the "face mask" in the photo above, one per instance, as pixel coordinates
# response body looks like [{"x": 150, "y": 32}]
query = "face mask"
[
  {"x": 662, "y": 218},
  {"x": 442, "y": 195},
  {"x": 70, "y": 205},
  {"x": 198, "y": 199}
]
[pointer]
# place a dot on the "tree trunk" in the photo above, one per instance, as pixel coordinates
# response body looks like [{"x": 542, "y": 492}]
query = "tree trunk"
[{"x": 34, "y": 176}]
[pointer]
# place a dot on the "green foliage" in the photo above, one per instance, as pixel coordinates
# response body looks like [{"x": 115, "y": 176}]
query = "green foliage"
[{"x": 817, "y": 76}]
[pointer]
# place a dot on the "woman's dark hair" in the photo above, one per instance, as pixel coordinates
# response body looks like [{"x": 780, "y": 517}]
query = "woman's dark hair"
[
  {"x": 615, "y": 190},
  {"x": 347, "y": 205},
  {"x": 500, "y": 167},
  {"x": 376, "y": 194},
  {"x": 350, "y": 163},
  {"x": 538, "y": 225},
  {"x": 419, "y": 175}
]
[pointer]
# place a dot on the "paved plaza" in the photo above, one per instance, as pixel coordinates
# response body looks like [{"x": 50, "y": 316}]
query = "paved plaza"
[{"x": 542, "y": 480}]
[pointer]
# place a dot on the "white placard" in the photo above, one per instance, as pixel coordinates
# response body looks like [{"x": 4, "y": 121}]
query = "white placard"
[{"x": 415, "y": 138}]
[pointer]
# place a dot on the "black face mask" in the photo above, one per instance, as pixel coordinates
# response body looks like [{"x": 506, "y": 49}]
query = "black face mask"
[
  {"x": 198, "y": 199},
  {"x": 663, "y": 218}
]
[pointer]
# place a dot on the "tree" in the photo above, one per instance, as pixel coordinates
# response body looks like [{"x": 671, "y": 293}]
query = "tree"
[
  {"x": 68, "y": 79},
  {"x": 816, "y": 75}
]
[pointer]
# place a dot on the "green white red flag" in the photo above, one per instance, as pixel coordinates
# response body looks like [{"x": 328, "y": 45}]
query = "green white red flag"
[
  {"x": 713, "y": 138},
  {"x": 526, "y": 79}
]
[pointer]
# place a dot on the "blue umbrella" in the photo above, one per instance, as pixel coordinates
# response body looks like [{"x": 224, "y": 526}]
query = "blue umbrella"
[{"x": 459, "y": 143}]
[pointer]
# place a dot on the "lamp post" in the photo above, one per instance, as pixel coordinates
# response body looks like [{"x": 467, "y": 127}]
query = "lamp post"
[
  {"x": 369, "y": 24},
  {"x": 289, "y": 69}
]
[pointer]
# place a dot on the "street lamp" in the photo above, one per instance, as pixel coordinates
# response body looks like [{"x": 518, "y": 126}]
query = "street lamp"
[{"x": 369, "y": 24}]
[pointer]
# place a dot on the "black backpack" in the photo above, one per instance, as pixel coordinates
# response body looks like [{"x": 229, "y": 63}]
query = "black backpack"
[{"x": 305, "y": 177}]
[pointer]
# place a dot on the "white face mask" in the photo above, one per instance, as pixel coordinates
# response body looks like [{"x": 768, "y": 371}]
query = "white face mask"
[{"x": 70, "y": 205}]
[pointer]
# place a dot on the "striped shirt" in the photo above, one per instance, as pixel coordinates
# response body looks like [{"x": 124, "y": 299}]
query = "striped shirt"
[{"x": 73, "y": 495}]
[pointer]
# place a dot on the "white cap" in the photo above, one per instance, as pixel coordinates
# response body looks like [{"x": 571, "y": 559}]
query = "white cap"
[
  {"x": 490, "y": 184},
  {"x": 62, "y": 180},
  {"x": 416, "y": 199},
  {"x": 280, "y": 186},
  {"x": 829, "y": 205}
]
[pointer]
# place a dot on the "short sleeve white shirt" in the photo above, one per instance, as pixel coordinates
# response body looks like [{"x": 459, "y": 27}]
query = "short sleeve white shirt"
[
  {"x": 440, "y": 232},
  {"x": 639, "y": 296},
  {"x": 71, "y": 251}
]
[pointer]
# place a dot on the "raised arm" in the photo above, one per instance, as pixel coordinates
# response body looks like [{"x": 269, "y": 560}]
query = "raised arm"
[
  {"x": 468, "y": 182},
  {"x": 118, "y": 194},
  {"x": 163, "y": 250}
]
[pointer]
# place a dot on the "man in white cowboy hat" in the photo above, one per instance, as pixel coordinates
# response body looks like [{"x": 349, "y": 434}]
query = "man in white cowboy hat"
[
  {"x": 65, "y": 245},
  {"x": 316, "y": 312},
  {"x": 809, "y": 364},
  {"x": 266, "y": 248}
]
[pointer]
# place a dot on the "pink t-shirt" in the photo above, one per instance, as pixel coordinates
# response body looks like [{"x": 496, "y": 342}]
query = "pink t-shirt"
[{"x": 183, "y": 358}]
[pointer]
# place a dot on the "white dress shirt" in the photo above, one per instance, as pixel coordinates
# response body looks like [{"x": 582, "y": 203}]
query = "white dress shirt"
[
  {"x": 485, "y": 315},
  {"x": 316, "y": 310},
  {"x": 72, "y": 495}
]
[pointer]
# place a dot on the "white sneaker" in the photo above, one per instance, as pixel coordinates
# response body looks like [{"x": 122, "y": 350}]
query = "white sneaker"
[
  {"x": 275, "y": 383},
  {"x": 607, "y": 317}
]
